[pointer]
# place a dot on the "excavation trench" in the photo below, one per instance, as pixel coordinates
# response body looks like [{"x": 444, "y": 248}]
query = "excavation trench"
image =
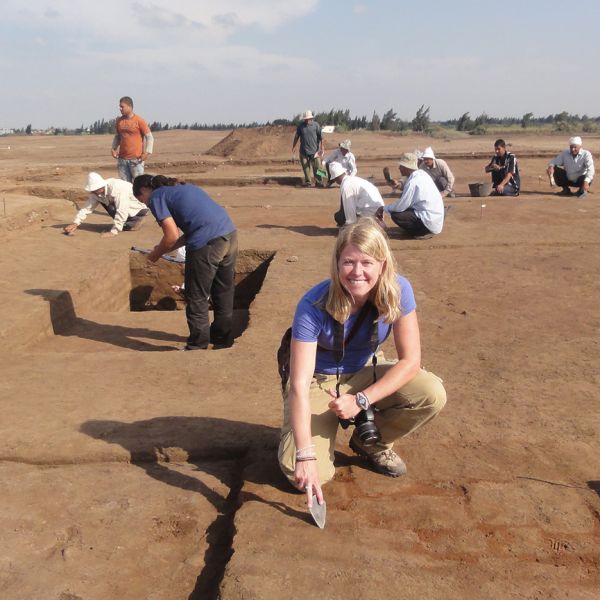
[
  {"x": 146, "y": 287},
  {"x": 152, "y": 284}
]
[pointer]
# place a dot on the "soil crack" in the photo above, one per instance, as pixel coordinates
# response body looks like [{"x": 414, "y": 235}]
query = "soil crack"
[{"x": 219, "y": 537}]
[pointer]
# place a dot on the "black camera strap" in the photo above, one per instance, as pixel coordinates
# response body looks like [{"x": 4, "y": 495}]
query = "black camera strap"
[{"x": 339, "y": 342}]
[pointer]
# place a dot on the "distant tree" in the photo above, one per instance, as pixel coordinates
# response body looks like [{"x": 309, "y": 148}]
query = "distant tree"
[
  {"x": 375, "y": 122},
  {"x": 526, "y": 120},
  {"x": 481, "y": 121},
  {"x": 389, "y": 120},
  {"x": 421, "y": 122},
  {"x": 464, "y": 123},
  {"x": 28, "y": 129}
]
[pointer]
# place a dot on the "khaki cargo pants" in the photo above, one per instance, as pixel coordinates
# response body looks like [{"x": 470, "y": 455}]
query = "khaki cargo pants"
[{"x": 413, "y": 405}]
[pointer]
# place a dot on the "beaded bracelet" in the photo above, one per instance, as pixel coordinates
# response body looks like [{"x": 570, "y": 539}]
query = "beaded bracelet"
[
  {"x": 303, "y": 452},
  {"x": 300, "y": 450}
]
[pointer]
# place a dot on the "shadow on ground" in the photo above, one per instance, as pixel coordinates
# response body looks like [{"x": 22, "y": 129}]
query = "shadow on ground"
[
  {"x": 207, "y": 443},
  {"x": 308, "y": 230},
  {"x": 65, "y": 322}
]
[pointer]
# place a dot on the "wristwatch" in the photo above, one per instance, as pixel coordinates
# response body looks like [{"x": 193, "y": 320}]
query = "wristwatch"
[{"x": 362, "y": 401}]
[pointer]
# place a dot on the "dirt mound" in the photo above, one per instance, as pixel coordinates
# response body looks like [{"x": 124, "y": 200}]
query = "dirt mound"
[{"x": 256, "y": 142}]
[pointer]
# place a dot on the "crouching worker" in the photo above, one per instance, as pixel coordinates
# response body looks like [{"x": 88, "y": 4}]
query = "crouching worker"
[
  {"x": 420, "y": 209},
  {"x": 358, "y": 197},
  {"x": 210, "y": 240},
  {"x": 117, "y": 199},
  {"x": 334, "y": 374}
]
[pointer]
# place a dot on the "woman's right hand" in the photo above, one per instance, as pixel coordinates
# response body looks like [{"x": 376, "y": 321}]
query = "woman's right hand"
[{"x": 306, "y": 477}]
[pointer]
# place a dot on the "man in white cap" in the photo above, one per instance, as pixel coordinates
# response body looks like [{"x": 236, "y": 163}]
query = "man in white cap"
[
  {"x": 439, "y": 171},
  {"x": 117, "y": 199},
  {"x": 343, "y": 156},
  {"x": 572, "y": 168},
  {"x": 311, "y": 147},
  {"x": 358, "y": 197},
  {"x": 420, "y": 209}
]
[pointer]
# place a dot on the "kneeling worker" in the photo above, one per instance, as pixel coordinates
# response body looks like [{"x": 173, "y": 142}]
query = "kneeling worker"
[
  {"x": 572, "y": 168},
  {"x": 439, "y": 171},
  {"x": 420, "y": 208},
  {"x": 117, "y": 199},
  {"x": 358, "y": 197}
]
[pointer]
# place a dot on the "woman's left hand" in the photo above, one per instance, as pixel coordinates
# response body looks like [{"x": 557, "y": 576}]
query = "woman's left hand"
[{"x": 345, "y": 406}]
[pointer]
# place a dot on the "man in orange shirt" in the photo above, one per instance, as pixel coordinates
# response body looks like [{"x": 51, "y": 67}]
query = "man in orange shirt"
[{"x": 132, "y": 142}]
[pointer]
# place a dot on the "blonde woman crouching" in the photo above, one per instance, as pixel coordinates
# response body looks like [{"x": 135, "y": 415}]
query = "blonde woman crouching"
[{"x": 372, "y": 301}]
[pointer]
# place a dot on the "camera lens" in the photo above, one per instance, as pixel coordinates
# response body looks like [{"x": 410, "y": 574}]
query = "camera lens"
[{"x": 366, "y": 428}]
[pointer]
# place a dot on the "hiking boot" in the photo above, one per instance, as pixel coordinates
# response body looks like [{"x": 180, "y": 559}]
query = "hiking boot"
[
  {"x": 307, "y": 184},
  {"x": 383, "y": 460},
  {"x": 425, "y": 236},
  {"x": 581, "y": 194}
]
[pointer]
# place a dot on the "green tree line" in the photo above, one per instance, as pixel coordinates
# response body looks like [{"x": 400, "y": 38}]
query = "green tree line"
[{"x": 343, "y": 120}]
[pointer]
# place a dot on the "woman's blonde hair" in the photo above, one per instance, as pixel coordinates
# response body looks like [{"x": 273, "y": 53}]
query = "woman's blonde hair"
[{"x": 368, "y": 237}]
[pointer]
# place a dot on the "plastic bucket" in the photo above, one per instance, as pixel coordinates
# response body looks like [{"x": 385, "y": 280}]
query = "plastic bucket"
[{"x": 479, "y": 189}]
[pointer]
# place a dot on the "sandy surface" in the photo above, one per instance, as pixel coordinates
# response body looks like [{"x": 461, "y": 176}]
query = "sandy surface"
[{"x": 131, "y": 470}]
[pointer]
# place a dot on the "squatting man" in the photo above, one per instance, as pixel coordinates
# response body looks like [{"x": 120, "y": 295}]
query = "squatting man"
[{"x": 117, "y": 199}]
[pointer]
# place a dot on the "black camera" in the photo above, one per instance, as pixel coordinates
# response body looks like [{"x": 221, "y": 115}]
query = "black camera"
[{"x": 364, "y": 422}]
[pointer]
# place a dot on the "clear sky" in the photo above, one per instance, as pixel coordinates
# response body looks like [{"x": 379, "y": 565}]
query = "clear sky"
[{"x": 67, "y": 62}]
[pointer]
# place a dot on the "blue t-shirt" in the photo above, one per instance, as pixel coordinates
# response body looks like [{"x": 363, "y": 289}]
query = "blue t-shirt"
[
  {"x": 199, "y": 217},
  {"x": 314, "y": 324}
]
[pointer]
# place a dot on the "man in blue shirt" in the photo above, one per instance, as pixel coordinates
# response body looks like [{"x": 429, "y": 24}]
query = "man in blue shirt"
[{"x": 210, "y": 240}]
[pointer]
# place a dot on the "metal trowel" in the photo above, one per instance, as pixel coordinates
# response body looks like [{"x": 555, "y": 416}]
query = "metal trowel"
[{"x": 318, "y": 512}]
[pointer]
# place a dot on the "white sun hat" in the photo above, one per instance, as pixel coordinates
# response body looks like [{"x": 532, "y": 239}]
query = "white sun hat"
[
  {"x": 409, "y": 160},
  {"x": 345, "y": 145},
  {"x": 575, "y": 141},
  {"x": 428, "y": 153},
  {"x": 307, "y": 114},
  {"x": 335, "y": 170},
  {"x": 94, "y": 182}
]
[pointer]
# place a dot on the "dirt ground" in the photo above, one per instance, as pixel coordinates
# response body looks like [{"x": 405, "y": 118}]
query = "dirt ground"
[{"x": 133, "y": 471}]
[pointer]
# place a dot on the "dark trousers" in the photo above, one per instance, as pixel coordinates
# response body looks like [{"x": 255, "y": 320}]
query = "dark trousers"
[
  {"x": 308, "y": 163},
  {"x": 210, "y": 273},
  {"x": 340, "y": 215},
  {"x": 440, "y": 183},
  {"x": 408, "y": 220},
  {"x": 111, "y": 209},
  {"x": 560, "y": 178}
]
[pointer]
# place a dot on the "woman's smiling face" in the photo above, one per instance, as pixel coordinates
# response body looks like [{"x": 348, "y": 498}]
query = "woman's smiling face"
[{"x": 358, "y": 272}]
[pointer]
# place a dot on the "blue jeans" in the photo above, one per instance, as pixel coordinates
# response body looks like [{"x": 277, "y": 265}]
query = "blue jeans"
[
  {"x": 130, "y": 168},
  {"x": 509, "y": 190}
]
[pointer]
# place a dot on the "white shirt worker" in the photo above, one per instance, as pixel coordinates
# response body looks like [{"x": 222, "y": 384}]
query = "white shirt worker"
[
  {"x": 348, "y": 160},
  {"x": 360, "y": 198},
  {"x": 119, "y": 193},
  {"x": 422, "y": 195},
  {"x": 576, "y": 166}
]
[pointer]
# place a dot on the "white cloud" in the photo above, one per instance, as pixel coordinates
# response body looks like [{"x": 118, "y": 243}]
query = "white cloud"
[
  {"x": 216, "y": 18},
  {"x": 359, "y": 9}
]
